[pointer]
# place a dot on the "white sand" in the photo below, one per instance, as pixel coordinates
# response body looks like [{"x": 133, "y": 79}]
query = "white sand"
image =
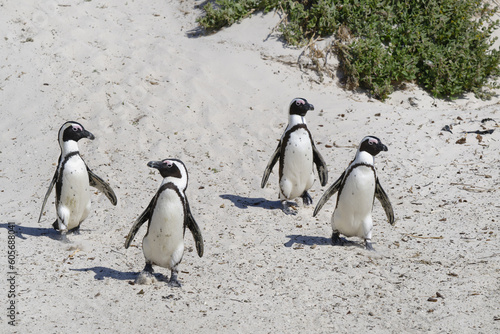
[{"x": 130, "y": 73}]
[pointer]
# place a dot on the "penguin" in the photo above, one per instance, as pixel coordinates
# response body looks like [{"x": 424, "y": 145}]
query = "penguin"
[
  {"x": 168, "y": 214},
  {"x": 357, "y": 188},
  {"x": 72, "y": 179},
  {"x": 297, "y": 156}
]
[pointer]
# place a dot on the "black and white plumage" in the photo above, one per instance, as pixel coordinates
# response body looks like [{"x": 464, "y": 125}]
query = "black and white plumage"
[
  {"x": 168, "y": 214},
  {"x": 357, "y": 188},
  {"x": 297, "y": 156},
  {"x": 72, "y": 179}
]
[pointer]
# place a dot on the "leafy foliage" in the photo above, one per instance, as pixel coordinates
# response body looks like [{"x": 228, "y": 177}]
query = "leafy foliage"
[
  {"x": 443, "y": 45},
  {"x": 227, "y": 12}
]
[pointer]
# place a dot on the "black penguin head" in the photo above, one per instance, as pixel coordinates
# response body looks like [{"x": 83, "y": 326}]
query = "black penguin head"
[
  {"x": 172, "y": 168},
  {"x": 300, "y": 106},
  {"x": 372, "y": 145},
  {"x": 73, "y": 131}
]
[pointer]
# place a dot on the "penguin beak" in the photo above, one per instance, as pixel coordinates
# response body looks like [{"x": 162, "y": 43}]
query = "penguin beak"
[
  {"x": 155, "y": 164},
  {"x": 311, "y": 107},
  {"x": 383, "y": 147},
  {"x": 87, "y": 134}
]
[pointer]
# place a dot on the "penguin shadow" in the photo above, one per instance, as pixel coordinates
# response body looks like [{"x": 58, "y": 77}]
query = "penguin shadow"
[
  {"x": 103, "y": 272},
  {"x": 245, "y": 202},
  {"x": 307, "y": 240},
  {"x": 22, "y": 231},
  {"x": 320, "y": 241}
]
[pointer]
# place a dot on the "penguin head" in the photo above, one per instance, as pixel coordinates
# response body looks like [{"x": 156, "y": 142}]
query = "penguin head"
[
  {"x": 70, "y": 133},
  {"x": 174, "y": 169},
  {"x": 372, "y": 145},
  {"x": 300, "y": 106}
]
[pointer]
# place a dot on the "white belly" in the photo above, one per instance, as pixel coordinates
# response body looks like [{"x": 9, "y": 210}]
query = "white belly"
[
  {"x": 353, "y": 214},
  {"x": 74, "y": 200},
  {"x": 298, "y": 174},
  {"x": 163, "y": 245}
]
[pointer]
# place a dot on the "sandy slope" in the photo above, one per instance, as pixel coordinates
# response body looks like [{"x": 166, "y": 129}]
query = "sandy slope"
[{"x": 138, "y": 77}]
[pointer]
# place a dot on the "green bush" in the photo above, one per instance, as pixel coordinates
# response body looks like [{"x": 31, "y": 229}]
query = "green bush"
[
  {"x": 443, "y": 45},
  {"x": 227, "y": 12}
]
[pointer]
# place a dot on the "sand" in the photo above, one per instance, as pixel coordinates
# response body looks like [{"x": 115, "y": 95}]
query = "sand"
[{"x": 148, "y": 86}]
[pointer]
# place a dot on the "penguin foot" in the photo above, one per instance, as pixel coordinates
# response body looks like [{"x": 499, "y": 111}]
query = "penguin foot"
[
  {"x": 369, "y": 246},
  {"x": 75, "y": 231},
  {"x": 337, "y": 240},
  {"x": 289, "y": 208},
  {"x": 64, "y": 238},
  {"x": 306, "y": 198},
  {"x": 148, "y": 268},
  {"x": 173, "y": 282}
]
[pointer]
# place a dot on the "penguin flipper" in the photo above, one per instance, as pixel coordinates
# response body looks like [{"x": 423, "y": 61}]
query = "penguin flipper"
[
  {"x": 321, "y": 166},
  {"x": 195, "y": 230},
  {"x": 384, "y": 200},
  {"x": 51, "y": 186},
  {"x": 270, "y": 165},
  {"x": 145, "y": 216},
  {"x": 98, "y": 183},
  {"x": 328, "y": 193}
]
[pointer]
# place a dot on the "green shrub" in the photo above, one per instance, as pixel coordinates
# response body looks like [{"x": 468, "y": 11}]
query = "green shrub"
[
  {"x": 227, "y": 12},
  {"x": 443, "y": 45}
]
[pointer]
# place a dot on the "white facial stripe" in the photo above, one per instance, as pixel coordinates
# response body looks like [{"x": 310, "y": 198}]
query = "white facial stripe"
[
  {"x": 77, "y": 127},
  {"x": 298, "y": 102},
  {"x": 61, "y": 132}
]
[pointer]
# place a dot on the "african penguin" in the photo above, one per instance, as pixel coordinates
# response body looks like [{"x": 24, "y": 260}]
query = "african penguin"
[
  {"x": 168, "y": 214},
  {"x": 357, "y": 188},
  {"x": 297, "y": 156},
  {"x": 72, "y": 179}
]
